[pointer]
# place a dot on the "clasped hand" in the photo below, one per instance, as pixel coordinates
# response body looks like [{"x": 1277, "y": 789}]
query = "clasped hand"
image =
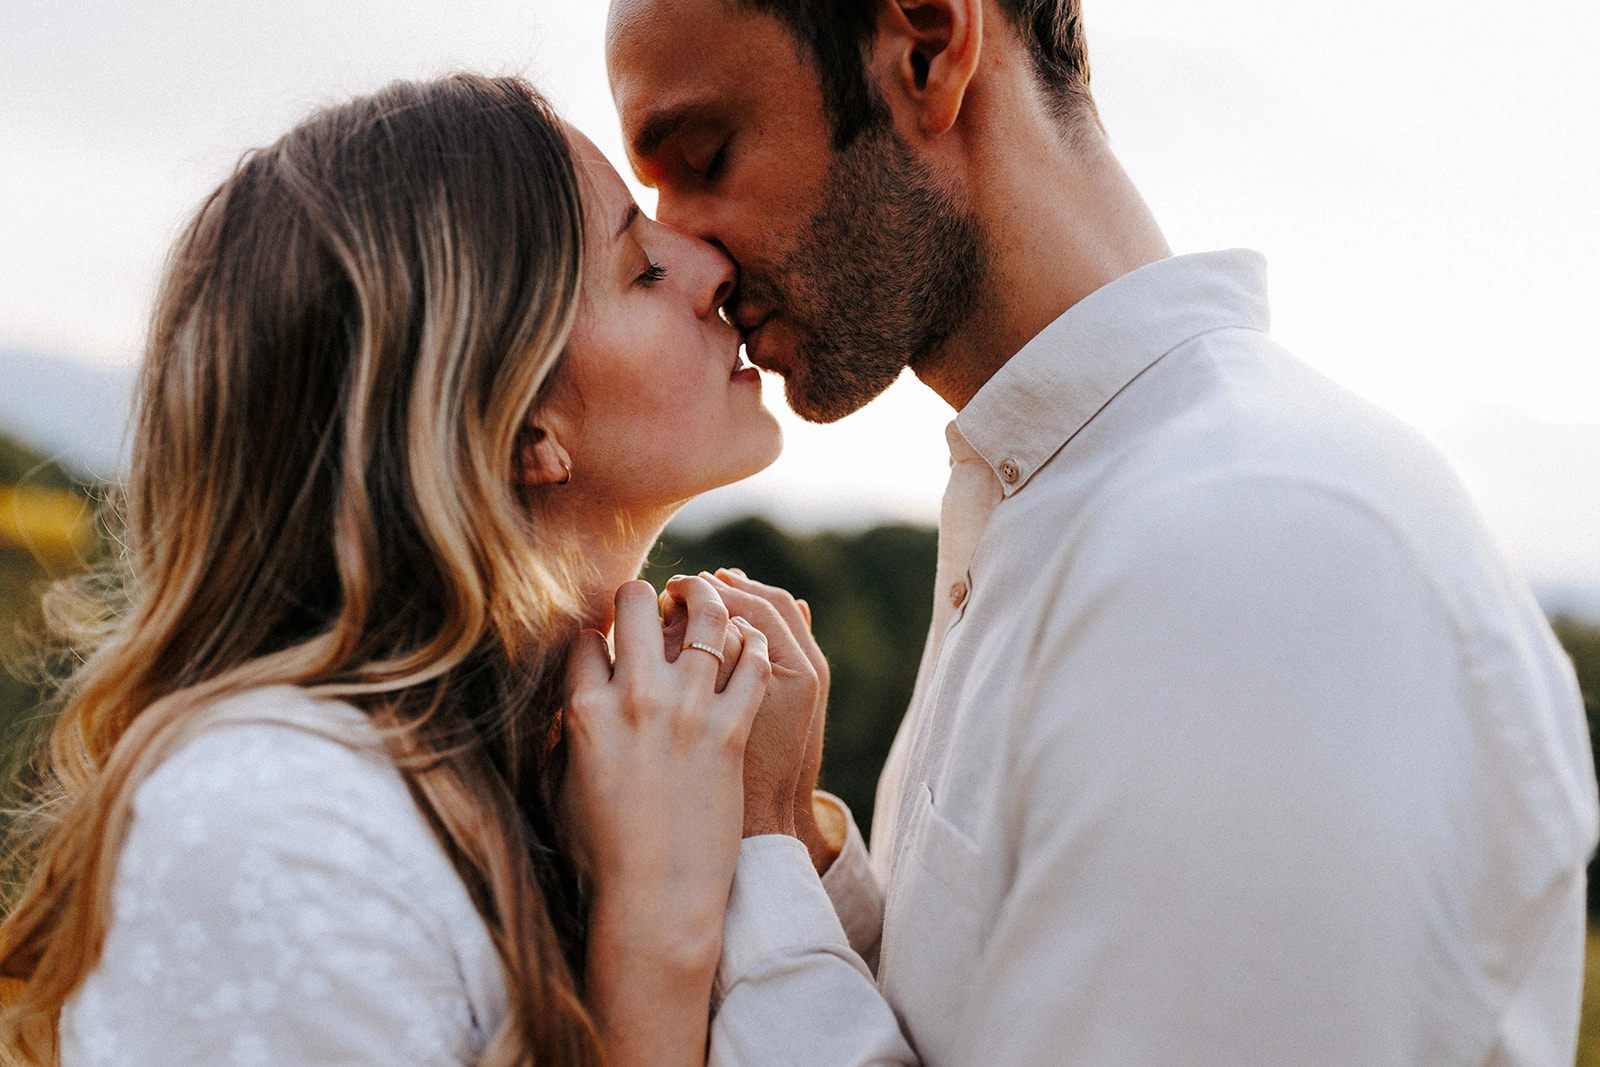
[
  {"x": 662, "y": 739},
  {"x": 707, "y": 727}
]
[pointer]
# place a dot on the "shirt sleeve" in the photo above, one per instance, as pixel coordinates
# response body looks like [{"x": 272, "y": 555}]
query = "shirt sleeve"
[
  {"x": 1538, "y": 1026},
  {"x": 1276, "y": 798},
  {"x": 792, "y": 989},
  {"x": 853, "y": 887},
  {"x": 269, "y": 909}
]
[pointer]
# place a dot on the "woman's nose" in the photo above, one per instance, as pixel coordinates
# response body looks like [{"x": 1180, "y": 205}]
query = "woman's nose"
[{"x": 722, "y": 276}]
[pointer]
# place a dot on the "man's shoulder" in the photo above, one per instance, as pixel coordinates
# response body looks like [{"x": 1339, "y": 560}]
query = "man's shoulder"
[
  {"x": 1232, "y": 409},
  {"x": 1231, "y": 454}
]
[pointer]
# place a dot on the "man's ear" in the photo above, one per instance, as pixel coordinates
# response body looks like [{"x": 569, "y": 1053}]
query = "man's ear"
[
  {"x": 927, "y": 52},
  {"x": 540, "y": 459}
]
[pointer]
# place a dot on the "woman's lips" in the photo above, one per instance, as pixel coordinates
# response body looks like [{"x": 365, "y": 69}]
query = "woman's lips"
[
  {"x": 747, "y": 374},
  {"x": 743, "y": 370}
]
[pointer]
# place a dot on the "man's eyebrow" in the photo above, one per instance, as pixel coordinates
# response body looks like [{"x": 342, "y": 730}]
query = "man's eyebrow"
[{"x": 627, "y": 220}]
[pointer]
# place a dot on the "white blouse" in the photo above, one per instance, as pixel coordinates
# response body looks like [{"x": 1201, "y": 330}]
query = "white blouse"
[{"x": 280, "y": 900}]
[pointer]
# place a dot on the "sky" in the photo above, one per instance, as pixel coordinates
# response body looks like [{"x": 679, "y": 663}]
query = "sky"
[{"x": 1421, "y": 175}]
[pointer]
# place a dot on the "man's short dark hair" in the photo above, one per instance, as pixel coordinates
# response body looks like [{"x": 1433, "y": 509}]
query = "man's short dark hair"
[{"x": 836, "y": 31}]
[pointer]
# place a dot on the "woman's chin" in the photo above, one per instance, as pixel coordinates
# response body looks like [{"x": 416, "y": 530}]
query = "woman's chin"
[
  {"x": 748, "y": 456},
  {"x": 764, "y": 456}
]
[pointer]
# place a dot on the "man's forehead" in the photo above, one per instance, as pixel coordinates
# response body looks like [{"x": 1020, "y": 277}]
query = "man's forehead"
[
  {"x": 642, "y": 26},
  {"x": 673, "y": 61}
]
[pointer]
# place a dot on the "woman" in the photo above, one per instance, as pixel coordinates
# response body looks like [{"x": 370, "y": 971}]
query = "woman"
[{"x": 421, "y": 389}]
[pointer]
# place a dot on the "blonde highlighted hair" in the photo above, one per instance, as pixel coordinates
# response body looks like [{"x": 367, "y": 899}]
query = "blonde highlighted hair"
[{"x": 348, "y": 340}]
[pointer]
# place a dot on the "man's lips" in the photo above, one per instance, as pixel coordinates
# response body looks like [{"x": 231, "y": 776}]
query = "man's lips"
[{"x": 752, "y": 335}]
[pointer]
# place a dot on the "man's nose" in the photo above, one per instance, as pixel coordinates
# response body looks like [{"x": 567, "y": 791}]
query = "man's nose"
[{"x": 689, "y": 213}]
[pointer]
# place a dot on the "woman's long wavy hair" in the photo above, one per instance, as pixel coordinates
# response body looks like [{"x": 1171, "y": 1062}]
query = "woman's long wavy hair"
[{"x": 348, "y": 340}]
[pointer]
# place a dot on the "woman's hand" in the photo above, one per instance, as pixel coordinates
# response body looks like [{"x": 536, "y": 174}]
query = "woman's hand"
[
  {"x": 653, "y": 797},
  {"x": 675, "y": 623},
  {"x": 784, "y": 754}
]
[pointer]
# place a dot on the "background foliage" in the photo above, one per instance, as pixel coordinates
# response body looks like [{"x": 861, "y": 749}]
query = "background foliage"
[{"x": 26, "y": 567}]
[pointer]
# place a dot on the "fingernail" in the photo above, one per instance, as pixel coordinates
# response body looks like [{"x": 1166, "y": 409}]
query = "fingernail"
[{"x": 677, "y": 577}]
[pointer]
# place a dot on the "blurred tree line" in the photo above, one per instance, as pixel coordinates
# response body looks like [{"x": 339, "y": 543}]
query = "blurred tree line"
[{"x": 870, "y": 594}]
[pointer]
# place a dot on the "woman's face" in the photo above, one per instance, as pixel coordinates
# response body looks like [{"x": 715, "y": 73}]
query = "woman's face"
[{"x": 655, "y": 403}]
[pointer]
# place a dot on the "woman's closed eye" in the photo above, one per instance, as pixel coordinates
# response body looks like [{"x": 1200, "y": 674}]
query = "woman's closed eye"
[{"x": 652, "y": 274}]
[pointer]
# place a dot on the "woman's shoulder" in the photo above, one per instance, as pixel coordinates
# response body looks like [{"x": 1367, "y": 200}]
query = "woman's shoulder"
[
  {"x": 279, "y": 886},
  {"x": 266, "y": 753},
  {"x": 282, "y": 771},
  {"x": 279, "y": 780}
]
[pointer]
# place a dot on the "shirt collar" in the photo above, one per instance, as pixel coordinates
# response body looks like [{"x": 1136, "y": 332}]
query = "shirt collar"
[{"x": 1061, "y": 379}]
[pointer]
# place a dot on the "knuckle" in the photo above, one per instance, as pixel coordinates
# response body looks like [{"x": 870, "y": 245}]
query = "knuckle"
[
  {"x": 688, "y": 723},
  {"x": 635, "y": 592},
  {"x": 711, "y": 612},
  {"x": 734, "y": 736},
  {"x": 763, "y": 613},
  {"x": 641, "y": 700}
]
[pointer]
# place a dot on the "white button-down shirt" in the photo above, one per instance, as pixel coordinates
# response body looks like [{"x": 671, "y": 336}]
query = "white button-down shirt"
[{"x": 1242, "y": 745}]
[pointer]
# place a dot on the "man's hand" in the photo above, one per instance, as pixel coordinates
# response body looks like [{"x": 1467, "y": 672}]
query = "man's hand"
[{"x": 784, "y": 755}]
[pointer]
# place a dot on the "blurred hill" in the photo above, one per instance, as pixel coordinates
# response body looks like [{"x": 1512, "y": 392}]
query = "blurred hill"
[
  {"x": 69, "y": 411},
  {"x": 1539, "y": 487}
]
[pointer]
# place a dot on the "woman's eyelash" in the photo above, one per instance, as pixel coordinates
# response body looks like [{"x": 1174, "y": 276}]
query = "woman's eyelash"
[{"x": 652, "y": 274}]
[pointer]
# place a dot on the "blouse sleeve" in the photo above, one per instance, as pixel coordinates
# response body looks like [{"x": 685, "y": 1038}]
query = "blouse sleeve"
[{"x": 278, "y": 900}]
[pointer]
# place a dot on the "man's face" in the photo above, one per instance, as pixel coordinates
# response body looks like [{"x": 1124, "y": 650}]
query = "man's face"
[{"x": 853, "y": 264}]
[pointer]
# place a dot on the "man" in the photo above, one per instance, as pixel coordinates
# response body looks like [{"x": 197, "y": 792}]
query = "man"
[{"x": 1234, "y": 741}]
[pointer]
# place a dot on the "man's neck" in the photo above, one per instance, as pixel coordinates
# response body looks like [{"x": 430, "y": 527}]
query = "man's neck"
[{"x": 1062, "y": 220}]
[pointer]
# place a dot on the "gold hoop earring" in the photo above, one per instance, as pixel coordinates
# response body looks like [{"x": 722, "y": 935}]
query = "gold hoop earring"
[{"x": 566, "y": 473}]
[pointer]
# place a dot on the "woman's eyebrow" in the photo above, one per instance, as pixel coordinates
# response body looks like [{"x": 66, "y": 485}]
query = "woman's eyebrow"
[{"x": 627, "y": 220}]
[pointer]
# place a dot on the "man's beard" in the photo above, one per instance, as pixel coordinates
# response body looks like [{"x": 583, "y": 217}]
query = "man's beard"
[{"x": 889, "y": 269}]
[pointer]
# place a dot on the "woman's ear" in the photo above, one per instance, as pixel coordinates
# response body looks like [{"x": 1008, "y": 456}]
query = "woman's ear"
[
  {"x": 540, "y": 458},
  {"x": 926, "y": 51}
]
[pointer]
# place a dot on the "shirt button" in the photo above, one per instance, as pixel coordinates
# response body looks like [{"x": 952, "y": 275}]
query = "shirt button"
[
  {"x": 958, "y": 594},
  {"x": 1010, "y": 472}
]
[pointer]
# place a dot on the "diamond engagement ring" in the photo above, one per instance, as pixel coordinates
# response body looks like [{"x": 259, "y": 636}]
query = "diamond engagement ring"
[{"x": 705, "y": 648}]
